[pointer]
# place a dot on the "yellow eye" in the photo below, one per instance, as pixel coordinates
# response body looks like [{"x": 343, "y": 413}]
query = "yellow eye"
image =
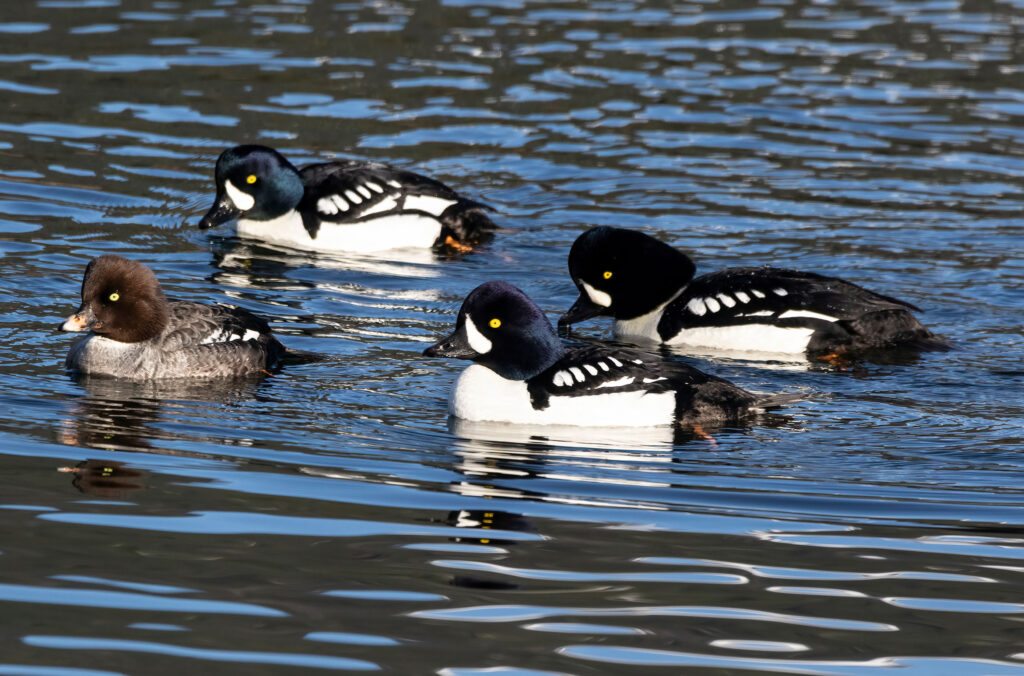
[
  {"x": 250, "y": 179},
  {"x": 495, "y": 323},
  {"x": 607, "y": 274},
  {"x": 114, "y": 297}
]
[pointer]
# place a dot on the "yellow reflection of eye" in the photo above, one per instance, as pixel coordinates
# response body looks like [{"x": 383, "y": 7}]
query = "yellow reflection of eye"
[
  {"x": 250, "y": 179},
  {"x": 607, "y": 274},
  {"x": 114, "y": 297},
  {"x": 495, "y": 323}
]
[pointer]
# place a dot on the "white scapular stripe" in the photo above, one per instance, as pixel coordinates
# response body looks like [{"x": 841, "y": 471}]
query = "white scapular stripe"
[
  {"x": 596, "y": 296},
  {"x": 477, "y": 340},
  {"x": 434, "y": 206},
  {"x": 386, "y": 204},
  {"x": 242, "y": 200},
  {"x": 806, "y": 313},
  {"x": 626, "y": 380}
]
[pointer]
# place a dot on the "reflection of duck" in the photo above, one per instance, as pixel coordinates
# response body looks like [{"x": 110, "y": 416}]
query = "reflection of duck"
[
  {"x": 107, "y": 479},
  {"x": 121, "y": 415},
  {"x": 346, "y": 205}
]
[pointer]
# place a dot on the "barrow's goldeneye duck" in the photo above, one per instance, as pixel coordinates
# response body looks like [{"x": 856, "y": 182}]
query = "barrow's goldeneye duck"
[
  {"x": 649, "y": 288},
  {"x": 345, "y": 205},
  {"x": 524, "y": 374},
  {"x": 137, "y": 333}
]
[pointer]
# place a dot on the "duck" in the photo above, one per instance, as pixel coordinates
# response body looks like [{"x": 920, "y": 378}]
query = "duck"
[
  {"x": 523, "y": 373},
  {"x": 134, "y": 332},
  {"x": 649, "y": 288},
  {"x": 350, "y": 206}
]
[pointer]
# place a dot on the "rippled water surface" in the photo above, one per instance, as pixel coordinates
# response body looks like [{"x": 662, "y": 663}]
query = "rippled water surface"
[{"x": 331, "y": 517}]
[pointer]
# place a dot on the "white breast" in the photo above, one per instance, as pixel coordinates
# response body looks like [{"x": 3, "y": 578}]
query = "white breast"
[
  {"x": 481, "y": 394},
  {"x": 394, "y": 231}
]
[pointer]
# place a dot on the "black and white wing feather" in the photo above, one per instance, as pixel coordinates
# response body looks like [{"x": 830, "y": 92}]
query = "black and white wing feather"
[
  {"x": 596, "y": 370},
  {"x": 214, "y": 332},
  {"x": 347, "y": 191}
]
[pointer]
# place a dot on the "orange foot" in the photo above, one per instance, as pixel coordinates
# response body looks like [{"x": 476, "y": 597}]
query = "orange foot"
[
  {"x": 457, "y": 245},
  {"x": 699, "y": 432},
  {"x": 833, "y": 359}
]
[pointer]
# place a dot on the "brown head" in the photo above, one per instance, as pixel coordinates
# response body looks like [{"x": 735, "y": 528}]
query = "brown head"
[{"x": 121, "y": 300}]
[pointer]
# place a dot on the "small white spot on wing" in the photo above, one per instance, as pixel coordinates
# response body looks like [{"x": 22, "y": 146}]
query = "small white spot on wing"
[
  {"x": 562, "y": 379},
  {"x": 759, "y": 294},
  {"x": 742, "y": 296},
  {"x": 352, "y": 197},
  {"x": 325, "y": 206},
  {"x": 654, "y": 380},
  {"x": 759, "y": 313},
  {"x": 339, "y": 202},
  {"x": 780, "y": 291},
  {"x": 374, "y": 187},
  {"x": 712, "y": 304},
  {"x": 394, "y": 184},
  {"x": 615, "y": 361},
  {"x": 590, "y": 369},
  {"x": 362, "y": 190},
  {"x": 726, "y": 299},
  {"x": 697, "y": 307},
  {"x": 604, "y": 367},
  {"x": 577, "y": 373},
  {"x": 251, "y": 335}
]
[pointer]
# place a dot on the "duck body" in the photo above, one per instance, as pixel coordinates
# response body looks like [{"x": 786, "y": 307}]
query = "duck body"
[
  {"x": 341, "y": 206},
  {"x": 649, "y": 289},
  {"x": 135, "y": 333},
  {"x": 524, "y": 374}
]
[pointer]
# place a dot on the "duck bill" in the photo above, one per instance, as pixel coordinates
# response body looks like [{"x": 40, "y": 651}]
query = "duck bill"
[
  {"x": 455, "y": 346},
  {"x": 82, "y": 320},
  {"x": 222, "y": 211},
  {"x": 582, "y": 309}
]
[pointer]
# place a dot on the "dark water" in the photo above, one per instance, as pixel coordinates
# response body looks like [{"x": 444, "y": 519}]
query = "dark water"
[{"x": 329, "y": 517}]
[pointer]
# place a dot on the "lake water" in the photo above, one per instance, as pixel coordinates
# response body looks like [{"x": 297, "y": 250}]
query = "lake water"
[{"x": 331, "y": 517}]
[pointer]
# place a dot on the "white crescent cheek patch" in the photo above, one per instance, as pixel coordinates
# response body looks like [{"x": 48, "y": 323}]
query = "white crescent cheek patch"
[
  {"x": 477, "y": 340},
  {"x": 242, "y": 200},
  {"x": 598, "y": 297}
]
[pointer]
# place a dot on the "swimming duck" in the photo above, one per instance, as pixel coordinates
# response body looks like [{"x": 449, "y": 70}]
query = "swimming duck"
[
  {"x": 340, "y": 206},
  {"x": 523, "y": 373},
  {"x": 135, "y": 332},
  {"x": 649, "y": 288}
]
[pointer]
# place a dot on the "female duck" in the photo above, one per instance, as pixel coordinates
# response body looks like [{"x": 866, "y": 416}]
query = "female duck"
[
  {"x": 346, "y": 205},
  {"x": 524, "y": 374},
  {"x": 136, "y": 333}
]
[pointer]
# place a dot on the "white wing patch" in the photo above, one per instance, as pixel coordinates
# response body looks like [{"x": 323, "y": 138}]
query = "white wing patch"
[
  {"x": 742, "y": 296},
  {"x": 726, "y": 299},
  {"x": 618, "y": 383},
  {"x": 780, "y": 292},
  {"x": 434, "y": 206},
  {"x": 697, "y": 307},
  {"x": 759, "y": 294},
  {"x": 226, "y": 336},
  {"x": 387, "y": 204},
  {"x": 712, "y": 304}
]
